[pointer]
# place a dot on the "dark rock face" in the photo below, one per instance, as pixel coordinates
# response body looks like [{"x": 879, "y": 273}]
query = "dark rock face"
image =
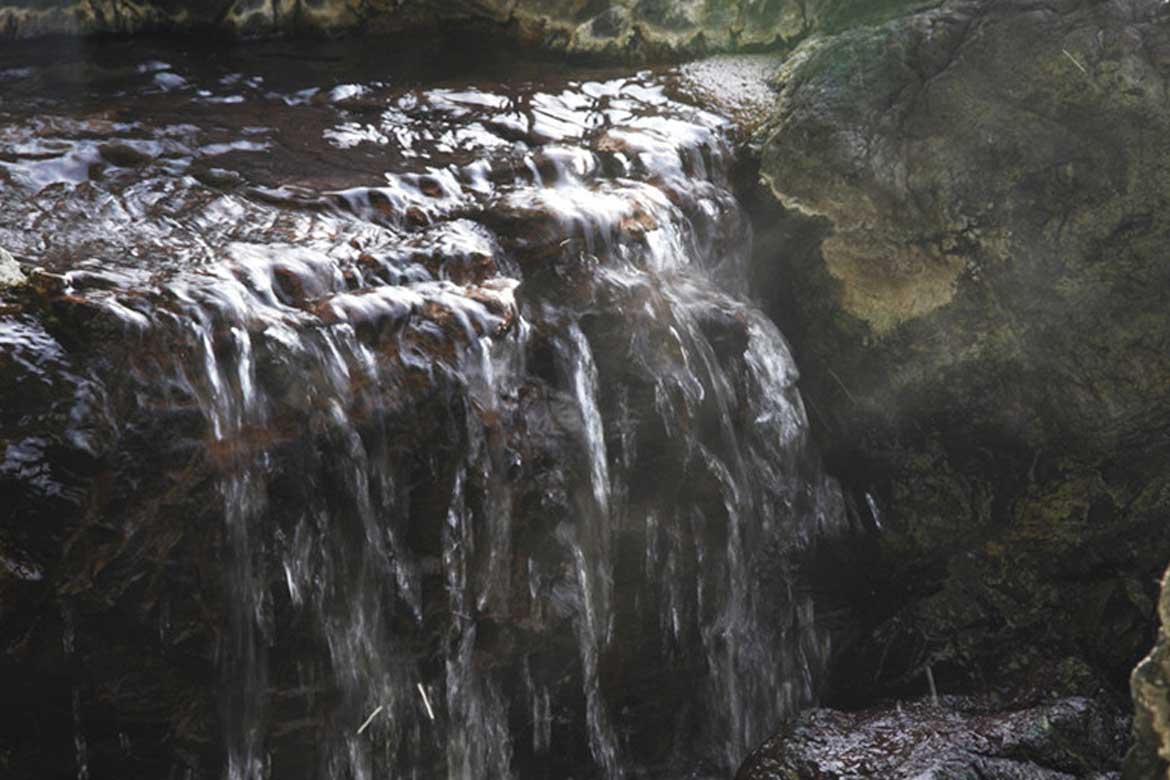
[
  {"x": 971, "y": 261},
  {"x": 960, "y": 739},
  {"x": 1150, "y": 686}
]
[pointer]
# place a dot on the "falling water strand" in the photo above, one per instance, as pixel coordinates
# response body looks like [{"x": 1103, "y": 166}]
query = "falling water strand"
[
  {"x": 509, "y": 474},
  {"x": 80, "y": 749},
  {"x": 590, "y": 550}
]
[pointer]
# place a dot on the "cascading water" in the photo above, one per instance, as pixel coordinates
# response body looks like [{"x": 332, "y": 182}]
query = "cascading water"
[{"x": 510, "y": 476}]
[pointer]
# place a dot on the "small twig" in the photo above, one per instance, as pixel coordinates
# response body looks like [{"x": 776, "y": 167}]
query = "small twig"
[
  {"x": 426, "y": 701},
  {"x": 833, "y": 374},
  {"x": 933, "y": 690},
  {"x": 1074, "y": 61},
  {"x": 370, "y": 719}
]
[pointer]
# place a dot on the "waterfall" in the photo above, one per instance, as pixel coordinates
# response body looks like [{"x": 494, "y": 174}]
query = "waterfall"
[{"x": 510, "y": 478}]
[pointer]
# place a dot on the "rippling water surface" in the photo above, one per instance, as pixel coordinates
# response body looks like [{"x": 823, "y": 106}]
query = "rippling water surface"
[{"x": 442, "y": 375}]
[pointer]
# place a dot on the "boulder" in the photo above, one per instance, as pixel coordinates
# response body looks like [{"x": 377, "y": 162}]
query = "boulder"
[
  {"x": 1150, "y": 686},
  {"x": 970, "y": 260}
]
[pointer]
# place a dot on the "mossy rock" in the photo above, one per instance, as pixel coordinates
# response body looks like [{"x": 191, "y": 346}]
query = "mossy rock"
[{"x": 970, "y": 259}]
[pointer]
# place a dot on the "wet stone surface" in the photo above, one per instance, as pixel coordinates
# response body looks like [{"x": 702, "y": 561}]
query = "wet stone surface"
[
  {"x": 956, "y": 739},
  {"x": 361, "y": 417}
]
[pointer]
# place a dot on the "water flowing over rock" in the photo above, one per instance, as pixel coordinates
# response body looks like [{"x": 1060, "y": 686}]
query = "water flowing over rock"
[{"x": 411, "y": 427}]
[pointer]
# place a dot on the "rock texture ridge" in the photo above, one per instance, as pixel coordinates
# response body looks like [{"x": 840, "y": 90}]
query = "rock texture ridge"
[{"x": 971, "y": 263}]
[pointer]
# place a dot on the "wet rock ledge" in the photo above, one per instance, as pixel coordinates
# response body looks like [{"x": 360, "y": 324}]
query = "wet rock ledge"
[{"x": 623, "y": 28}]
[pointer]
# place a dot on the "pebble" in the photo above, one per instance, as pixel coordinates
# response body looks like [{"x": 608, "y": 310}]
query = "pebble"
[{"x": 10, "y": 273}]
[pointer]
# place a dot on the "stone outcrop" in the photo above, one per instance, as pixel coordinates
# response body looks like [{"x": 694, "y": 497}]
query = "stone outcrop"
[
  {"x": 1150, "y": 685},
  {"x": 971, "y": 262}
]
